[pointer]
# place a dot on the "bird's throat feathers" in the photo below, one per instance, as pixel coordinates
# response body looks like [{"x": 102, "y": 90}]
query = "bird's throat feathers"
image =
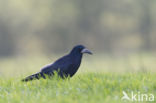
[{"x": 76, "y": 57}]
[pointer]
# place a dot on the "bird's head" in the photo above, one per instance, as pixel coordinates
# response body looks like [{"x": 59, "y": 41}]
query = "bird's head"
[{"x": 80, "y": 49}]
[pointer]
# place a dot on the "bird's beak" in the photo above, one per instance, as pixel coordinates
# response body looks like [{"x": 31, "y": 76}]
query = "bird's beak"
[{"x": 86, "y": 51}]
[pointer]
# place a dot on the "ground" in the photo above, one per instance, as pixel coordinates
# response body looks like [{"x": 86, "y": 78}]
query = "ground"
[{"x": 85, "y": 87}]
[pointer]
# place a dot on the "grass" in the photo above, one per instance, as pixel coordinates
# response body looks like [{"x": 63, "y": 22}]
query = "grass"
[{"x": 87, "y": 86}]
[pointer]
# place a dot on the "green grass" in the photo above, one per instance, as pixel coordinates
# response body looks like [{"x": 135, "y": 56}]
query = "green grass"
[
  {"x": 86, "y": 88},
  {"x": 97, "y": 81}
]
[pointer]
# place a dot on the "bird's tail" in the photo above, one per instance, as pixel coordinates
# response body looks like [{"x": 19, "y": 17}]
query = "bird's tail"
[{"x": 34, "y": 76}]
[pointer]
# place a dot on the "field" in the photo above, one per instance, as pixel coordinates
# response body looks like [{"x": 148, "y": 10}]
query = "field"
[{"x": 99, "y": 80}]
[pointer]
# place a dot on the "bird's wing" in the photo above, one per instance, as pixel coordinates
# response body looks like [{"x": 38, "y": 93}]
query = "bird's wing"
[
  {"x": 48, "y": 69},
  {"x": 62, "y": 64}
]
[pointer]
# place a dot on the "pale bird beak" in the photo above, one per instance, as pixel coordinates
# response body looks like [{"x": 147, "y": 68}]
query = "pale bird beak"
[{"x": 86, "y": 51}]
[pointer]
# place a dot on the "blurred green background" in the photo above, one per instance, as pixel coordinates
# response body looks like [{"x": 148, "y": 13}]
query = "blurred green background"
[{"x": 121, "y": 33}]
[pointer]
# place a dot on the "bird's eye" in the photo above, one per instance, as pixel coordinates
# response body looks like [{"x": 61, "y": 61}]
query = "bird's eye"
[{"x": 80, "y": 49}]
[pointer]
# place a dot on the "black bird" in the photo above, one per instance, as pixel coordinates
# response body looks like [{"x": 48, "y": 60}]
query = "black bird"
[{"x": 65, "y": 66}]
